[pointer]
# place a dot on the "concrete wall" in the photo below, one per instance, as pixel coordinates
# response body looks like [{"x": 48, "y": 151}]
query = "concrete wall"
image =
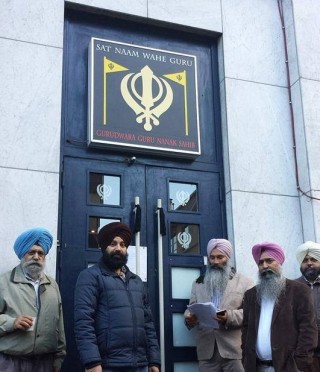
[
  {"x": 262, "y": 198},
  {"x": 31, "y": 42}
]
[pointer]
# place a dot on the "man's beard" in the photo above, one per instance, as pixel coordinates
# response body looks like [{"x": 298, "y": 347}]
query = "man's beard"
[
  {"x": 271, "y": 285},
  {"x": 216, "y": 279},
  {"x": 114, "y": 260},
  {"x": 310, "y": 273},
  {"x": 33, "y": 268}
]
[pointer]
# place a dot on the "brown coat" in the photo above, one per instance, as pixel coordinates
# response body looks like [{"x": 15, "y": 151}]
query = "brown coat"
[{"x": 294, "y": 332}]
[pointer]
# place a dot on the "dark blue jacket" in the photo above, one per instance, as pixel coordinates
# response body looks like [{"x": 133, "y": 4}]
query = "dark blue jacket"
[{"x": 113, "y": 322}]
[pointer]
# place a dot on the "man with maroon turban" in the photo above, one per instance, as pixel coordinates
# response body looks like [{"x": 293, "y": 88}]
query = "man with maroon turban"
[
  {"x": 113, "y": 324},
  {"x": 279, "y": 330},
  {"x": 219, "y": 349}
]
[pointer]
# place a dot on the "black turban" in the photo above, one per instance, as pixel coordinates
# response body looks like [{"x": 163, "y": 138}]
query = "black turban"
[{"x": 108, "y": 232}]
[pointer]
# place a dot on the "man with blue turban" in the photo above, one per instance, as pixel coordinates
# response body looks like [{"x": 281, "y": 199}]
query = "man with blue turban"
[{"x": 31, "y": 321}]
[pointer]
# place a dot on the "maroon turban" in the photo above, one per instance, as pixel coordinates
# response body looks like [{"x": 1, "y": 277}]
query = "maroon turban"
[
  {"x": 108, "y": 232},
  {"x": 272, "y": 249}
]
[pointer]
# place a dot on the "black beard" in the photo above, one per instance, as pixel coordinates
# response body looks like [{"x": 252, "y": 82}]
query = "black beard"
[
  {"x": 310, "y": 274},
  {"x": 114, "y": 260},
  {"x": 216, "y": 267}
]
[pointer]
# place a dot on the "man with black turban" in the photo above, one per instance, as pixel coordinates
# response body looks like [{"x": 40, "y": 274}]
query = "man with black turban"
[
  {"x": 113, "y": 324},
  {"x": 31, "y": 321}
]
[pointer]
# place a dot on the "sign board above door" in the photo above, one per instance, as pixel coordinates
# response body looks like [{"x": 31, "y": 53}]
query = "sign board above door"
[{"x": 142, "y": 99}]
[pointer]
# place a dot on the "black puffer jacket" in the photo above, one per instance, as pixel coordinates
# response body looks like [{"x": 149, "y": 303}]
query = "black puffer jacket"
[{"x": 113, "y": 321}]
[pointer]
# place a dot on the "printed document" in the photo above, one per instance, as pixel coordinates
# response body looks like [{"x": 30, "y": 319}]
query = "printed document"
[{"x": 205, "y": 312}]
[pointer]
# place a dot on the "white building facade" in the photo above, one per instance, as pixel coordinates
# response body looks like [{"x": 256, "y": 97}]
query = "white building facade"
[{"x": 269, "y": 110}]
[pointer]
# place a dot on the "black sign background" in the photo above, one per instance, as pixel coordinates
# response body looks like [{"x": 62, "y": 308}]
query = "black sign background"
[{"x": 112, "y": 121}]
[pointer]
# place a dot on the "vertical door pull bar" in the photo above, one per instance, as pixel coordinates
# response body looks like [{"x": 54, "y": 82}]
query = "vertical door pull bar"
[
  {"x": 137, "y": 228},
  {"x": 161, "y": 223}
]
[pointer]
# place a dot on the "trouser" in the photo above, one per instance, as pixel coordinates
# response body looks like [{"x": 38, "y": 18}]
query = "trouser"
[
  {"x": 219, "y": 364},
  {"x": 126, "y": 369},
  {"x": 316, "y": 363},
  {"x": 262, "y": 368},
  {"x": 10, "y": 363}
]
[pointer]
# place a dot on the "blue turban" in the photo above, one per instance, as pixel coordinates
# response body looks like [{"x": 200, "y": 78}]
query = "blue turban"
[{"x": 37, "y": 236}]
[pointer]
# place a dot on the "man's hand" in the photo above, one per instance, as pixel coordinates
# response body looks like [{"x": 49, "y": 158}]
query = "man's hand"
[
  {"x": 191, "y": 320},
  {"x": 154, "y": 369},
  {"x": 222, "y": 317},
  {"x": 94, "y": 369},
  {"x": 23, "y": 322}
]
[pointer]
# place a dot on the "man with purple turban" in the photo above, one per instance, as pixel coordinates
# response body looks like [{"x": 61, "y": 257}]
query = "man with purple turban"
[
  {"x": 219, "y": 349},
  {"x": 31, "y": 322},
  {"x": 114, "y": 329},
  {"x": 308, "y": 256},
  {"x": 279, "y": 327}
]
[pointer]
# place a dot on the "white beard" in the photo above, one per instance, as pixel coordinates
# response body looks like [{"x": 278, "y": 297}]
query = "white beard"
[{"x": 33, "y": 268}]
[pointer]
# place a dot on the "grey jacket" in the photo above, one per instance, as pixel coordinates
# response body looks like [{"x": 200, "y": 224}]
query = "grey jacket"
[
  {"x": 228, "y": 337},
  {"x": 18, "y": 297},
  {"x": 315, "y": 290}
]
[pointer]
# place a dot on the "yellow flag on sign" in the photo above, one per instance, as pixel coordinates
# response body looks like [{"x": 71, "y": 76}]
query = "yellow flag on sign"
[
  {"x": 178, "y": 77},
  {"x": 110, "y": 66}
]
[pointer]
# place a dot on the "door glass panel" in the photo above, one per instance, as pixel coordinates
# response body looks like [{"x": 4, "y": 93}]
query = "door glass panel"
[
  {"x": 184, "y": 238},
  {"x": 186, "y": 367},
  {"x": 104, "y": 189},
  {"x": 183, "y": 197},
  {"x": 181, "y": 281},
  {"x": 181, "y": 335},
  {"x": 95, "y": 224}
]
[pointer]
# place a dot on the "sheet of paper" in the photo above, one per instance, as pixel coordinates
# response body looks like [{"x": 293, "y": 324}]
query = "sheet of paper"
[
  {"x": 133, "y": 256},
  {"x": 205, "y": 312}
]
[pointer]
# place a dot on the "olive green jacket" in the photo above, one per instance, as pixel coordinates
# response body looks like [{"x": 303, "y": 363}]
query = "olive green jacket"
[{"x": 18, "y": 297}]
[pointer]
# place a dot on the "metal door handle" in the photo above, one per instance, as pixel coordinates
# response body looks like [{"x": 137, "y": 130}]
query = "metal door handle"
[
  {"x": 161, "y": 232},
  {"x": 137, "y": 229}
]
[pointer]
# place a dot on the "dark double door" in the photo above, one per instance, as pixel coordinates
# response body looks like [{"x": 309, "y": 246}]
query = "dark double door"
[
  {"x": 96, "y": 192},
  {"x": 103, "y": 185}
]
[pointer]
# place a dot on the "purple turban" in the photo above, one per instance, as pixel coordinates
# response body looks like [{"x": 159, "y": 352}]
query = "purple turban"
[
  {"x": 223, "y": 245},
  {"x": 108, "y": 232},
  {"x": 272, "y": 249},
  {"x": 37, "y": 236}
]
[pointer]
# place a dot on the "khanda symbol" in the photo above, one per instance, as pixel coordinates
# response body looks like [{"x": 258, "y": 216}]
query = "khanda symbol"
[{"x": 147, "y": 105}]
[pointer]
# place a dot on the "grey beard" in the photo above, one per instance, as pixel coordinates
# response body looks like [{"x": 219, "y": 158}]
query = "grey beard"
[
  {"x": 216, "y": 280},
  {"x": 270, "y": 286},
  {"x": 33, "y": 268}
]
